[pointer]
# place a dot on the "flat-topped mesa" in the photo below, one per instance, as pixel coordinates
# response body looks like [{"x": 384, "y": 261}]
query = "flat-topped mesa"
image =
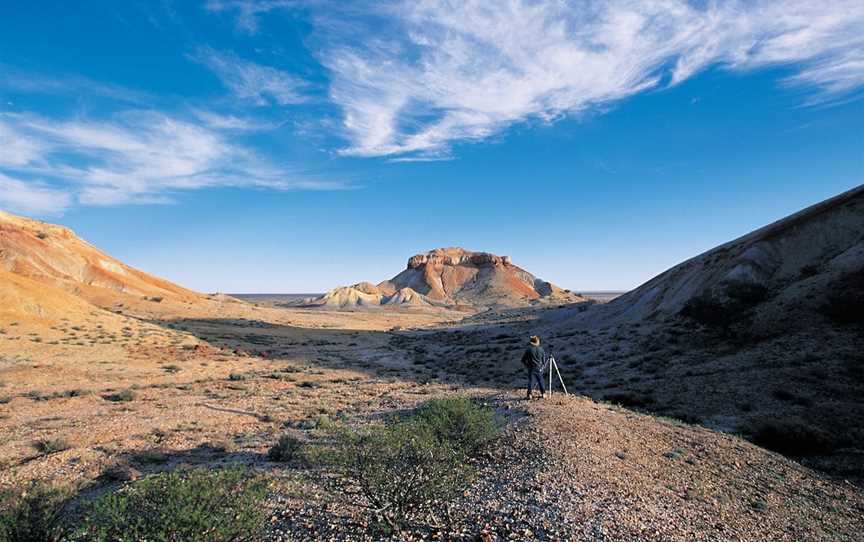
[
  {"x": 457, "y": 256},
  {"x": 450, "y": 277}
]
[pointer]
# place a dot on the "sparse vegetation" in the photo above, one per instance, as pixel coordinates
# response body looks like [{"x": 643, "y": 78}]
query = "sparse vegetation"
[
  {"x": 124, "y": 396},
  {"x": 460, "y": 422},
  {"x": 402, "y": 468},
  {"x": 150, "y": 457},
  {"x": 194, "y": 506},
  {"x": 285, "y": 449},
  {"x": 51, "y": 446},
  {"x": 33, "y": 514}
]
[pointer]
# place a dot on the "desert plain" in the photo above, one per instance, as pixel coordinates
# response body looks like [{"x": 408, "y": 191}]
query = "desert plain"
[{"x": 669, "y": 431}]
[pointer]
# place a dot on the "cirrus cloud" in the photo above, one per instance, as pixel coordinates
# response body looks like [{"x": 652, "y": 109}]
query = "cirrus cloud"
[
  {"x": 135, "y": 157},
  {"x": 249, "y": 81},
  {"x": 462, "y": 71}
]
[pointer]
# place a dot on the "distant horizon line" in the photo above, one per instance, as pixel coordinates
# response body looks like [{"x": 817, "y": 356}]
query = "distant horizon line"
[{"x": 322, "y": 293}]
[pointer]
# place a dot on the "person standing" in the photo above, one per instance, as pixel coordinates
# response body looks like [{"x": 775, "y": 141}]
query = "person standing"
[{"x": 534, "y": 360}]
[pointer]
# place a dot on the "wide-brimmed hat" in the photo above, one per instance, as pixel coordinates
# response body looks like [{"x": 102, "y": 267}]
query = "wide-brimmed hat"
[{"x": 535, "y": 340}]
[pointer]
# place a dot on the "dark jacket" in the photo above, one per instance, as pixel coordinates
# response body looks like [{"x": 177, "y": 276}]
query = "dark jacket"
[{"x": 534, "y": 358}]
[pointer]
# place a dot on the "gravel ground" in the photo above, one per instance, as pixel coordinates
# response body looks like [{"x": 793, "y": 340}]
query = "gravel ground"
[{"x": 568, "y": 468}]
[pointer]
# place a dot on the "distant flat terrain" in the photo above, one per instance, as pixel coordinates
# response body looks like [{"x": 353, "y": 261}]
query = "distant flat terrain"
[
  {"x": 603, "y": 296},
  {"x": 273, "y": 298}
]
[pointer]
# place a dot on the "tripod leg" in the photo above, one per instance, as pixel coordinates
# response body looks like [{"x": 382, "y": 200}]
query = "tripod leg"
[
  {"x": 561, "y": 379},
  {"x": 551, "y": 361}
]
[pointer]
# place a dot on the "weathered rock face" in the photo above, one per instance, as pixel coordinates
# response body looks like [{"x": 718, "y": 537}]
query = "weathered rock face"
[
  {"x": 783, "y": 272},
  {"x": 47, "y": 273},
  {"x": 54, "y": 256},
  {"x": 457, "y": 256},
  {"x": 453, "y": 276}
]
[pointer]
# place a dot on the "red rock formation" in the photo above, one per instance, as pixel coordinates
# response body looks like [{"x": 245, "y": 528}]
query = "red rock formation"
[{"x": 455, "y": 276}]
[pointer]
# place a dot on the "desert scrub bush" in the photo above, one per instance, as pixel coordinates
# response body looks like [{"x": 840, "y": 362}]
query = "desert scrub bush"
[
  {"x": 124, "y": 396},
  {"x": 400, "y": 469},
  {"x": 404, "y": 467},
  {"x": 459, "y": 422},
  {"x": 193, "y": 506},
  {"x": 34, "y": 514},
  {"x": 285, "y": 449},
  {"x": 51, "y": 446},
  {"x": 150, "y": 457}
]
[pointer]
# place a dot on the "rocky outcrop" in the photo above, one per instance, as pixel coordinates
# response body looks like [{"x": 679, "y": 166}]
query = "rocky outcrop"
[
  {"x": 457, "y": 256},
  {"x": 784, "y": 272},
  {"x": 450, "y": 277},
  {"x": 407, "y": 296},
  {"x": 47, "y": 273},
  {"x": 55, "y": 255},
  {"x": 363, "y": 294}
]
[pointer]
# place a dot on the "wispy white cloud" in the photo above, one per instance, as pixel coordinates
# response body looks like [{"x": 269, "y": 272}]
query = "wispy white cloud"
[
  {"x": 248, "y": 11},
  {"x": 28, "y": 82},
  {"x": 219, "y": 121},
  {"x": 136, "y": 157},
  {"x": 261, "y": 85},
  {"x": 17, "y": 149},
  {"x": 32, "y": 197},
  {"x": 462, "y": 71}
]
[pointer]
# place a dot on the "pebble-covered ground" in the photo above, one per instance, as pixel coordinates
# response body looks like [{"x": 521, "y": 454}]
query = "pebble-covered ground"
[{"x": 568, "y": 468}]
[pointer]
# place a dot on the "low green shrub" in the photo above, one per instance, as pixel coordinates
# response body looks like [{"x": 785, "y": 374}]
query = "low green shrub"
[
  {"x": 124, "y": 396},
  {"x": 401, "y": 469},
  {"x": 405, "y": 467},
  {"x": 285, "y": 449},
  {"x": 34, "y": 514},
  {"x": 193, "y": 506},
  {"x": 51, "y": 445},
  {"x": 150, "y": 457},
  {"x": 460, "y": 422}
]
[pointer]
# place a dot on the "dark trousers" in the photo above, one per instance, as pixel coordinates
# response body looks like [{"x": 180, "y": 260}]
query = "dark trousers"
[{"x": 535, "y": 376}]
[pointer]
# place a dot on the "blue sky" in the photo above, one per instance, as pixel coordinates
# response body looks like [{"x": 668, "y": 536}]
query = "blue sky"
[{"x": 292, "y": 146}]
